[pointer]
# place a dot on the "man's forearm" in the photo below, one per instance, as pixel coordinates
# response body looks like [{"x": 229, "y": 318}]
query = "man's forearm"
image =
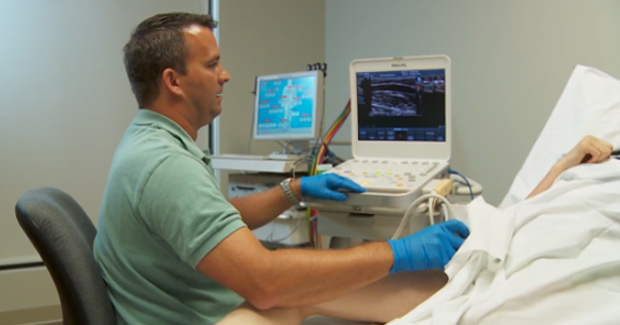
[
  {"x": 325, "y": 274},
  {"x": 260, "y": 208},
  {"x": 293, "y": 277}
]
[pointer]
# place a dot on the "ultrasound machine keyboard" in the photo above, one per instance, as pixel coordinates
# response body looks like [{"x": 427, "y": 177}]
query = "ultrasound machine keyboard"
[{"x": 386, "y": 176}]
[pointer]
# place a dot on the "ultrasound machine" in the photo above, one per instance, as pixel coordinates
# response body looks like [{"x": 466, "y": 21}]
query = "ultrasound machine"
[
  {"x": 401, "y": 144},
  {"x": 401, "y": 136}
]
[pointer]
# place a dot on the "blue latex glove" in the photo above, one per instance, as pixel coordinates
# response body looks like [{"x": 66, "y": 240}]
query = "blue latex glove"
[
  {"x": 329, "y": 187},
  {"x": 429, "y": 248}
]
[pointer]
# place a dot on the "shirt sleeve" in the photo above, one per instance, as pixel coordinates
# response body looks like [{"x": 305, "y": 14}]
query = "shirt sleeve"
[{"x": 181, "y": 204}]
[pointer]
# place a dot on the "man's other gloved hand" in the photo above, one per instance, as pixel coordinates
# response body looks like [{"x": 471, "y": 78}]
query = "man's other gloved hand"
[
  {"x": 329, "y": 187},
  {"x": 429, "y": 248}
]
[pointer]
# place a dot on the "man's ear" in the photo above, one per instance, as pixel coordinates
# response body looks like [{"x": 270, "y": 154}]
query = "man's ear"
[{"x": 170, "y": 80}]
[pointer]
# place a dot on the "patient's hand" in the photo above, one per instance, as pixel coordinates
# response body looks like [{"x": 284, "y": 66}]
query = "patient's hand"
[{"x": 589, "y": 150}]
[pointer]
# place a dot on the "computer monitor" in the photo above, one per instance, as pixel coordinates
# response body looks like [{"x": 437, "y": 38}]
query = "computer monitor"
[
  {"x": 289, "y": 107},
  {"x": 401, "y": 107}
]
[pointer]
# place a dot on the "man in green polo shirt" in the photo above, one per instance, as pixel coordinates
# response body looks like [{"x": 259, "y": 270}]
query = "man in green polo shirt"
[{"x": 171, "y": 248}]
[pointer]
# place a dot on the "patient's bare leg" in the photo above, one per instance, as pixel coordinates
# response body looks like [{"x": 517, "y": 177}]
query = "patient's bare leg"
[
  {"x": 385, "y": 299},
  {"x": 381, "y": 301},
  {"x": 248, "y": 314}
]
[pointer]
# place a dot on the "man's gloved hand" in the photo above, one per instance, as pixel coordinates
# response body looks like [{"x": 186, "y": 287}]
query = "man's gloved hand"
[
  {"x": 329, "y": 187},
  {"x": 429, "y": 248}
]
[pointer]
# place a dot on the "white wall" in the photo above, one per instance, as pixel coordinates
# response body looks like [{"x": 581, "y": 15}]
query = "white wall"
[
  {"x": 510, "y": 61},
  {"x": 64, "y": 103}
]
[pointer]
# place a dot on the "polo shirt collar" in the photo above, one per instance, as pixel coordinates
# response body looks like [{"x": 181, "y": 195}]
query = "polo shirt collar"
[{"x": 148, "y": 117}]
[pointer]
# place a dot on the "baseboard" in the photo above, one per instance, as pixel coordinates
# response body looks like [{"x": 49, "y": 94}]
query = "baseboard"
[
  {"x": 28, "y": 297},
  {"x": 47, "y": 315}
]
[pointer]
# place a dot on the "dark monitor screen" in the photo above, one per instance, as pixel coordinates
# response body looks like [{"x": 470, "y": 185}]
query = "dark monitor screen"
[{"x": 405, "y": 105}]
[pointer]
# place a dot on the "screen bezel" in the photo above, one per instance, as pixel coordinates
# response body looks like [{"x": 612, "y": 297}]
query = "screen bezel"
[{"x": 317, "y": 109}]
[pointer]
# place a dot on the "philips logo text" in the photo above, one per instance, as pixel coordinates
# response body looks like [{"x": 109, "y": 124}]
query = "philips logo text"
[{"x": 399, "y": 65}]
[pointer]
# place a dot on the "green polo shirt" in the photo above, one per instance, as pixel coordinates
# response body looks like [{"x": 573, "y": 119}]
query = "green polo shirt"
[{"x": 161, "y": 214}]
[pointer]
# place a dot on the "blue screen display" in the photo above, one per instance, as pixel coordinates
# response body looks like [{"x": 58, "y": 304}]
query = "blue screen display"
[{"x": 286, "y": 107}]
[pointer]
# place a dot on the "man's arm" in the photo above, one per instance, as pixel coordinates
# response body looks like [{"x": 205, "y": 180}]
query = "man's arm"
[
  {"x": 293, "y": 277},
  {"x": 258, "y": 209},
  {"x": 589, "y": 150},
  {"x": 302, "y": 277}
]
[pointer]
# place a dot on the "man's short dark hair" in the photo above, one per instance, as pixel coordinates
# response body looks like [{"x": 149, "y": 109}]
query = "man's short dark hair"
[{"x": 156, "y": 44}]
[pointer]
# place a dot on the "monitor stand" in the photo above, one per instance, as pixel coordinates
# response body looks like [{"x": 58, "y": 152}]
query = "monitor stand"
[{"x": 297, "y": 151}]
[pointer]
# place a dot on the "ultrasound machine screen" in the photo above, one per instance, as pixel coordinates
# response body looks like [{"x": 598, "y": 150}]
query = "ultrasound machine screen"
[{"x": 401, "y": 105}]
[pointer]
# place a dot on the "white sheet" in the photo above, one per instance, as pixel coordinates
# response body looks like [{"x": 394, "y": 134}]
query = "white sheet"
[
  {"x": 561, "y": 266},
  {"x": 589, "y": 104}
]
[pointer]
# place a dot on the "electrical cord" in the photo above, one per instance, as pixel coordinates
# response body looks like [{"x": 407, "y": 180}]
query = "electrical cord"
[
  {"x": 431, "y": 212},
  {"x": 271, "y": 239},
  {"x": 417, "y": 202},
  {"x": 332, "y": 158},
  {"x": 317, "y": 159},
  {"x": 284, "y": 146},
  {"x": 471, "y": 191},
  {"x": 444, "y": 210},
  {"x": 305, "y": 158}
]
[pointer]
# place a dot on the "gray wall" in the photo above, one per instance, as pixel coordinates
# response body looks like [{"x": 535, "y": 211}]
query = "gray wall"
[
  {"x": 64, "y": 99},
  {"x": 259, "y": 38},
  {"x": 510, "y": 62},
  {"x": 64, "y": 104}
]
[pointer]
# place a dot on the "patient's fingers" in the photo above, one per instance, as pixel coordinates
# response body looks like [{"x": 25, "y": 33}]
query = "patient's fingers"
[
  {"x": 597, "y": 154},
  {"x": 594, "y": 154},
  {"x": 594, "y": 150},
  {"x": 604, "y": 149}
]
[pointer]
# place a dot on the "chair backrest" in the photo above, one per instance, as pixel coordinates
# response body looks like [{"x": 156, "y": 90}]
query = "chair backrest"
[{"x": 63, "y": 235}]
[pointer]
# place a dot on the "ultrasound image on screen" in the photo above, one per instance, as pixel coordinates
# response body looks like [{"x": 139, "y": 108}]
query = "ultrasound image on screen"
[{"x": 401, "y": 105}]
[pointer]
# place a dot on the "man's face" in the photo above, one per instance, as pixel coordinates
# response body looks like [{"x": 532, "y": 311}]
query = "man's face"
[{"x": 205, "y": 77}]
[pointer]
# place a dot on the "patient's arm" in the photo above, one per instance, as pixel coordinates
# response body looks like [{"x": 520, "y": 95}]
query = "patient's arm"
[
  {"x": 381, "y": 301},
  {"x": 589, "y": 150}
]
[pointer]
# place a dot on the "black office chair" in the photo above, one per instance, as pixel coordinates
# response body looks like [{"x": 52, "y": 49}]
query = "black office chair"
[{"x": 63, "y": 235}]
